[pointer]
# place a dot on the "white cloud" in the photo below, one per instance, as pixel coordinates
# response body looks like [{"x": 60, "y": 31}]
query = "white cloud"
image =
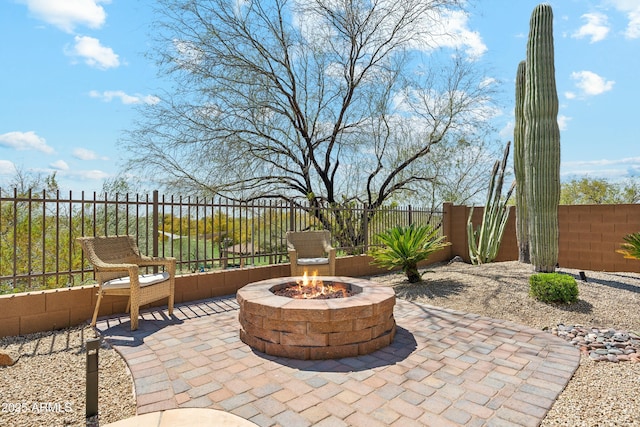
[
  {"x": 7, "y": 168},
  {"x": 188, "y": 55},
  {"x": 93, "y": 53},
  {"x": 60, "y": 165},
  {"x": 456, "y": 34},
  {"x": 72, "y": 174},
  {"x": 84, "y": 154},
  {"x": 569, "y": 95},
  {"x": 563, "y": 121},
  {"x": 434, "y": 28},
  {"x": 488, "y": 82},
  {"x": 603, "y": 168},
  {"x": 93, "y": 174},
  {"x": 67, "y": 14},
  {"x": 604, "y": 162},
  {"x": 590, "y": 83},
  {"x": 23, "y": 141},
  {"x": 633, "y": 29},
  {"x": 632, "y": 9},
  {"x": 506, "y": 132},
  {"x": 125, "y": 98},
  {"x": 597, "y": 27}
]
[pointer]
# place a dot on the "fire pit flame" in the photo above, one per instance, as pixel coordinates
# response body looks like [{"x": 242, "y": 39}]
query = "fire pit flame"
[
  {"x": 314, "y": 288},
  {"x": 311, "y": 287}
]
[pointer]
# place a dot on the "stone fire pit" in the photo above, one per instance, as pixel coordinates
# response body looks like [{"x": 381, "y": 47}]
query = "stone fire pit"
[{"x": 316, "y": 328}]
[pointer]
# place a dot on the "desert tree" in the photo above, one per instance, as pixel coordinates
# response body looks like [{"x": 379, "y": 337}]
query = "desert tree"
[
  {"x": 457, "y": 172},
  {"x": 330, "y": 103},
  {"x": 599, "y": 191}
]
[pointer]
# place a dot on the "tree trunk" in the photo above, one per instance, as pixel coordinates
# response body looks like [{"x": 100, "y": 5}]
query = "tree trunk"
[{"x": 412, "y": 273}]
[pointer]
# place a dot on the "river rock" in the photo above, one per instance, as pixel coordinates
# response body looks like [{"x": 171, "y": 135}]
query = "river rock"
[
  {"x": 620, "y": 336},
  {"x": 8, "y": 358},
  {"x": 601, "y": 344}
]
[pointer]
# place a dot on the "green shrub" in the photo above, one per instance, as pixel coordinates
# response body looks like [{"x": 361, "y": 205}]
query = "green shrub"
[
  {"x": 553, "y": 287},
  {"x": 405, "y": 247}
]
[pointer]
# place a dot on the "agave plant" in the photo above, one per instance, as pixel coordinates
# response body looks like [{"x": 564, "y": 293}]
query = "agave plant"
[
  {"x": 631, "y": 248},
  {"x": 405, "y": 247}
]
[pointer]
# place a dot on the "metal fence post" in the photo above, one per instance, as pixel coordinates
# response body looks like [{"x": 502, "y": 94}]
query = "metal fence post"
[
  {"x": 365, "y": 223},
  {"x": 292, "y": 214},
  {"x": 155, "y": 228},
  {"x": 92, "y": 377}
]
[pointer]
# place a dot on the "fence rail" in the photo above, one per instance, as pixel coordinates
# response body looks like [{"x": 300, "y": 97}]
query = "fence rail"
[{"x": 38, "y": 249}]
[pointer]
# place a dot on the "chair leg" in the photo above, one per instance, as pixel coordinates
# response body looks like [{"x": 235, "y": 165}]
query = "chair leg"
[
  {"x": 170, "y": 304},
  {"x": 135, "y": 310},
  {"x": 95, "y": 312}
]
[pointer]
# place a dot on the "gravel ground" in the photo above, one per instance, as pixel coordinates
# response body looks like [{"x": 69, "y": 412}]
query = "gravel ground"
[
  {"x": 47, "y": 385},
  {"x": 51, "y": 368}
]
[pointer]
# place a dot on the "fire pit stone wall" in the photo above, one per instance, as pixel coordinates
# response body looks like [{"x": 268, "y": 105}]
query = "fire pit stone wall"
[{"x": 317, "y": 328}]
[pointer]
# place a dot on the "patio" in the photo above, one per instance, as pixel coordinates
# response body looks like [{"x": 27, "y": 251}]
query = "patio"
[{"x": 443, "y": 368}]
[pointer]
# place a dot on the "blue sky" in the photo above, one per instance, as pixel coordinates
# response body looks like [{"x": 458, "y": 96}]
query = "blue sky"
[{"x": 73, "y": 72}]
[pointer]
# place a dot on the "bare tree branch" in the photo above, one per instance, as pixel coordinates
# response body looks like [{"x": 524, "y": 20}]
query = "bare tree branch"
[{"x": 321, "y": 100}]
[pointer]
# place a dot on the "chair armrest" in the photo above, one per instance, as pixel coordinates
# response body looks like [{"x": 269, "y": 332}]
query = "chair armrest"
[
  {"x": 293, "y": 256},
  {"x": 105, "y": 266},
  {"x": 147, "y": 261},
  {"x": 331, "y": 254}
]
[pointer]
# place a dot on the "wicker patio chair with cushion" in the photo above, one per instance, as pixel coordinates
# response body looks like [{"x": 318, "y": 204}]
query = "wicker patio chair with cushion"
[
  {"x": 311, "y": 251},
  {"x": 117, "y": 262}
]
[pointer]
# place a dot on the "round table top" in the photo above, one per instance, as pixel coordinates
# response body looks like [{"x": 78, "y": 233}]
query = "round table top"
[{"x": 184, "y": 417}]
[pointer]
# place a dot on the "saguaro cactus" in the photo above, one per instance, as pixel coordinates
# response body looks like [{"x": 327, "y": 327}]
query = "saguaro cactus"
[
  {"x": 522, "y": 232},
  {"x": 542, "y": 142}
]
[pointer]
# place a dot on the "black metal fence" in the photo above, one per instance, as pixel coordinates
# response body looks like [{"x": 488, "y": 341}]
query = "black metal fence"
[{"x": 38, "y": 231}]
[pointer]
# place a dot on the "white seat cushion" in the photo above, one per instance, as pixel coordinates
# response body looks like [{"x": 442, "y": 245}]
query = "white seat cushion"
[
  {"x": 145, "y": 280},
  {"x": 313, "y": 261}
]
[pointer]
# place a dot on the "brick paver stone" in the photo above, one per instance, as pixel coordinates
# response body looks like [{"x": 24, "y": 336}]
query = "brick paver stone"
[{"x": 443, "y": 368}]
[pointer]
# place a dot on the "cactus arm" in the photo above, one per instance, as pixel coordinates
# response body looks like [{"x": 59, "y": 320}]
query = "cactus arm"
[
  {"x": 484, "y": 242},
  {"x": 522, "y": 232}
]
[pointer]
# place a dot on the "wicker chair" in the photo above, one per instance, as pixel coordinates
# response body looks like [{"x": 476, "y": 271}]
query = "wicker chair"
[
  {"x": 116, "y": 261},
  {"x": 311, "y": 251}
]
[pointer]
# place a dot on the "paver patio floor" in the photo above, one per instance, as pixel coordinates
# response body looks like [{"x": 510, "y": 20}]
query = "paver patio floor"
[{"x": 443, "y": 368}]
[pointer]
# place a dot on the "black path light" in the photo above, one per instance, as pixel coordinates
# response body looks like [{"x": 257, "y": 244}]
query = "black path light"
[{"x": 92, "y": 377}]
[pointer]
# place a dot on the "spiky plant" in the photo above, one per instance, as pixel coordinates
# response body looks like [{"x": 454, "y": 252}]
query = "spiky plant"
[
  {"x": 484, "y": 242},
  {"x": 631, "y": 246},
  {"x": 405, "y": 247}
]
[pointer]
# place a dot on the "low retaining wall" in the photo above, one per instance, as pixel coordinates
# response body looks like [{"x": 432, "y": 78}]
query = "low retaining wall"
[{"x": 29, "y": 312}]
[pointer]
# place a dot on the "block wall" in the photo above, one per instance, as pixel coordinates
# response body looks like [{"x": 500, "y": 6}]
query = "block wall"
[{"x": 589, "y": 235}]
